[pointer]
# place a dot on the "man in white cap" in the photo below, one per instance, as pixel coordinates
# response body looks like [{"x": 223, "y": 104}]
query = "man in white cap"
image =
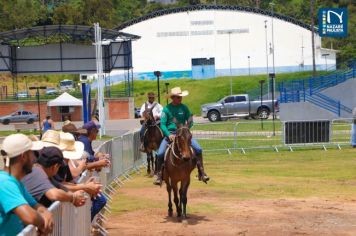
[
  {"x": 179, "y": 112},
  {"x": 17, "y": 207}
]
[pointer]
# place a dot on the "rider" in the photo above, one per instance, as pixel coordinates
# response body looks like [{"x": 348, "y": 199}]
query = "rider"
[
  {"x": 182, "y": 114},
  {"x": 157, "y": 111}
]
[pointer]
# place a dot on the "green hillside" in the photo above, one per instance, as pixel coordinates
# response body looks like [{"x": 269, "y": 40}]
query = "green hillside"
[{"x": 203, "y": 91}]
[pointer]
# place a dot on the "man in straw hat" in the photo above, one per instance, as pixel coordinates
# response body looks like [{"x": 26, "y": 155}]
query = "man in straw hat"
[
  {"x": 180, "y": 112},
  {"x": 17, "y": 206},
  {"x": 42, "y": 187},
  {"x": 156, "y": 111}
]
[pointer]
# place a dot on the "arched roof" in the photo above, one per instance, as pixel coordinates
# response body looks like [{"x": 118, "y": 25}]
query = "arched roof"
[{"x": 212, "y": 7}]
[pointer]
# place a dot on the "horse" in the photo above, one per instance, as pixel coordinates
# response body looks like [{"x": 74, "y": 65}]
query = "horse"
[
  {"x": 179, "y": 164},
  {"x": 152, "y": 138}
]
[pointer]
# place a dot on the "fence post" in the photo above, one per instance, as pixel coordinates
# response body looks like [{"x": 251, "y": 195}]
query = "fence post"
[
  {"x": 339, "y": 108},
  {"x": 235, "y": 135},
  {"x": 310, "y": 87}
]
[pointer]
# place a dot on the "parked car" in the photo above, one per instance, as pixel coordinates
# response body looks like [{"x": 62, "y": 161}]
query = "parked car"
[
  {"x": 238, "y": 106},
  {"x": 51, "y": 91},
  {"x": 137, "y": 112},
  {"x": 19, "y": 116},
  {"x": 23, "y": 94}
]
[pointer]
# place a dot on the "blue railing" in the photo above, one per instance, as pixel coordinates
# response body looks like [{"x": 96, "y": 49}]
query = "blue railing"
[{"x": 310, "y": 89}]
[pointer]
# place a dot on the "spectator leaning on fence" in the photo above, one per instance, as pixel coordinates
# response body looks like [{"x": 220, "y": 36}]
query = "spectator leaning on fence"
[
  {"x": 72, "y": 151},
  {"x": 17, "y": 206},
  {"x": 44, "y": 189},
  {"x": 92, "y": 131}
]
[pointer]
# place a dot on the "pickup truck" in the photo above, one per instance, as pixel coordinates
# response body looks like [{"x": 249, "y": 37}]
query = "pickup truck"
[{"x": 238, "y": 106}]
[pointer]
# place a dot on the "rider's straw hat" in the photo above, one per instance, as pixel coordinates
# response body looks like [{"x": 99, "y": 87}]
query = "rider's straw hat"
[{"x": 177, "y": 91}]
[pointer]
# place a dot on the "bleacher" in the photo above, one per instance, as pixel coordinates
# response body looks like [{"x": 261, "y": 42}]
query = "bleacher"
[{"x": 310, "y": 90}]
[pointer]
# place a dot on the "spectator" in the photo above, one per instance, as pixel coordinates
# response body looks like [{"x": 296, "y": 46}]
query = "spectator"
[
  {"x": 98, "y": 159},
  {"x": 17, "y": 206},
  {"x": 73, "y": 150},
  {"x": 42, "y": 187},
  {"x": 47, "y": 124}
]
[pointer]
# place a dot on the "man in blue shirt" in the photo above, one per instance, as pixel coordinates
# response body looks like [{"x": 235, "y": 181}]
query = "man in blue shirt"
[
  {"x": 96, "y": 159},
  {"x": 17, "y": 206}
]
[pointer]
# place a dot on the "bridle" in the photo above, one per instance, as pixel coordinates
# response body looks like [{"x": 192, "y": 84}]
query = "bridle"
[{"x": 175, "y": 144}]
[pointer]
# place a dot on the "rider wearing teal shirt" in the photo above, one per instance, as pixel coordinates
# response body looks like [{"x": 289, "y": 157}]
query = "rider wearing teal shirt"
[{"x": 173, "y": 113}]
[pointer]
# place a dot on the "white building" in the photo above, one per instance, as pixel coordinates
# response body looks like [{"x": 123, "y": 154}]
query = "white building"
[{"x": 209, "y": 41}]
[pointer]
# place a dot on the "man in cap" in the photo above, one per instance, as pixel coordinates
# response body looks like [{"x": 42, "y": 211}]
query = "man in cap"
[
  {"x": 156, "y": 111},
  {"x": 179, "y": 112},
  {"x": 42, "y": 187},
  {"x": 17, "y": 207},
  {"x": 98, "y": 159}
]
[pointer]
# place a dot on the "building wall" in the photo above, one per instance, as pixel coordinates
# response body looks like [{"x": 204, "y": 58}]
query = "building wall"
[
  {"x": 169, "y": 42},
  {"x": 115, "y": 109}
]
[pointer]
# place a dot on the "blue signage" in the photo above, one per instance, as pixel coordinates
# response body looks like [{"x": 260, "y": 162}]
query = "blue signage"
[{"x": 333, "y": 22}]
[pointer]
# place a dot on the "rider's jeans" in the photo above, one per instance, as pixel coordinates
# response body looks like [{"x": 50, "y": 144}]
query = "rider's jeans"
[
  {"x": 163, "y": 147},
  {"x": 142, "y": 131}
]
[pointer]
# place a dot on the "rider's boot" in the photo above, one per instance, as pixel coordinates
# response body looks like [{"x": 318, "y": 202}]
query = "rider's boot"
[
  {"x": 202, "y": 175},
  {"x": 158, "y": 180}
]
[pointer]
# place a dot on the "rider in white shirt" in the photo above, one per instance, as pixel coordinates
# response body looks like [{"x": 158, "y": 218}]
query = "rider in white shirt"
[{"x": 156, "y": 110}]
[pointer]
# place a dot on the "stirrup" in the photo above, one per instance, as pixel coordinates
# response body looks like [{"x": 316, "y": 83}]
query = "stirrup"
[
  {"x": 158, "y": 180},
  {"x": 203, "y": 178}
]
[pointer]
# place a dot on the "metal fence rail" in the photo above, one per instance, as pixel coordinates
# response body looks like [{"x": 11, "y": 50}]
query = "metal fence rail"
[
  {"x": 75, "y": 221},
  {"x": 256, "y": 135}
]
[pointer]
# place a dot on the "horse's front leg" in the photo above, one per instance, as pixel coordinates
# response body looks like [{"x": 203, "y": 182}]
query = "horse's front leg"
[
  {"x": 184, "y": 199},
  {"x": 176, "y": 199},
  {"x": 153, "y": 164},
  {"x": 169, "y": 190},
  {"x": 148, "y": 163}
]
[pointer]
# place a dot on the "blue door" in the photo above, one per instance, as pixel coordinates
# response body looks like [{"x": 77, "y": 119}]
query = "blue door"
[{"x": 203, "y": 68}]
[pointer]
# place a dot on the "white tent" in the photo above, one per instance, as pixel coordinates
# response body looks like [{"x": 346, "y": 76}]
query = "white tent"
[{"x": 65, "y": 99}]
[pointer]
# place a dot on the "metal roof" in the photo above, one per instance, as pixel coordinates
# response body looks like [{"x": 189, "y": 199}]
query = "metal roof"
[
  {"x": 213, "y": 7},
  {"x": 72, "y": 33}
]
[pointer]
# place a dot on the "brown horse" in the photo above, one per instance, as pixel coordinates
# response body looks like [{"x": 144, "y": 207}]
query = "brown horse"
[
  {"x": 179, "y": 163},
  {"x": 152, "y": 138}
]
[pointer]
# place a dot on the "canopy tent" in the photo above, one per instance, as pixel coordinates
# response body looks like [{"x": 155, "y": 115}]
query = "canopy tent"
[{"x": 65, "y": 100}]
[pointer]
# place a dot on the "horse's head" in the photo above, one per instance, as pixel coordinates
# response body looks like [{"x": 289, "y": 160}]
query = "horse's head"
[
  {"x": 148, "y": 116},
  {"x": 183, "y": 140}
]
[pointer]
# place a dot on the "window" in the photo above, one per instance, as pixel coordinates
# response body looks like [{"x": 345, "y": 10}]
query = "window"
[
  {"x": 25, "y": 113},
  {"x": 63, "y": 109},
  {"x": 229, "y": 99},
  {"x": 240, "y": 99}
]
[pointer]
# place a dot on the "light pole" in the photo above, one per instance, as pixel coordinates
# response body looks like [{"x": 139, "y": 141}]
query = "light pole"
[
  {"x": 229, "y": 32},
  {"x": 158, "y": 74},
  {"x": 249, "y": 70},
  {"x": 266, "y": 55},
  {"x": 37, "y": 88},
  {"x": 326, "y": 62},
  {"x": 167, "y": 84},
  {"x": 274, "y": 71},
  {"x": 261, "y": 83},
  {"x": 272, "y": 76}
]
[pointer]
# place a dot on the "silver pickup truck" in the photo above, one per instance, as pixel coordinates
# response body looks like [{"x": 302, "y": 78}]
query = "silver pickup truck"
[{"x": 238, "y": 106}]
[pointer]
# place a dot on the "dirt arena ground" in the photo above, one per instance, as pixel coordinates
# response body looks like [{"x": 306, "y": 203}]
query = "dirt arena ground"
[{"x": 316, "y": 196}]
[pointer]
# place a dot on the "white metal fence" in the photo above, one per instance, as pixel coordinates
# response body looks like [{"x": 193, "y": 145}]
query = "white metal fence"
[
  {"x": 256, "y": 135},
  {"x": 75, "y": 221}
]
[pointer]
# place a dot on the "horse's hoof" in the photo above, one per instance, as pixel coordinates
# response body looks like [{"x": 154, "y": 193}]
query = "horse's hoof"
[{"x": 170, "y": 213}]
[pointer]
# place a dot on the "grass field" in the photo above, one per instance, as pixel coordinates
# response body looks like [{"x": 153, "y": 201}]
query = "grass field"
[
  {"x": 245, "y": 186},
  {"x": 204, "y": 91}
]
